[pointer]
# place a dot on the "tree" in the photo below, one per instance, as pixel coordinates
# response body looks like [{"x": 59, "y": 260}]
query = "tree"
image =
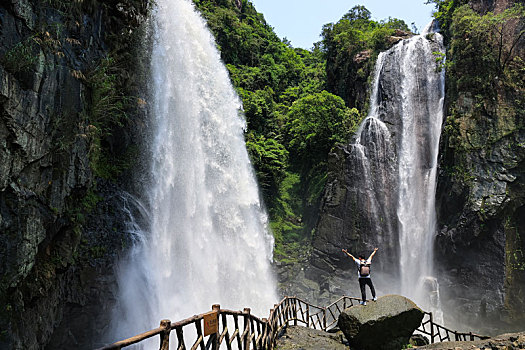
[
  {"x": 316, "y": 123},
  {"x": 483, "y": 47},
  {"x": 270, "y": 159}
]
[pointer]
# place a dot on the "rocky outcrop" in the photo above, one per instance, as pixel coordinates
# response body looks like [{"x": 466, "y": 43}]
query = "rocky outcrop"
[
  {"x": 387, "y": 323},
  {"x": 60, "y": 227},
  {"x": 295, "y": 337}
]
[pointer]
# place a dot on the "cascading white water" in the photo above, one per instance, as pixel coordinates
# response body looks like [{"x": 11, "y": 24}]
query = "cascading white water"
[
  {"x": 406, "y": 112},
  {"x": 208, "y": 241},
  {"x": 422, "y": 96}
]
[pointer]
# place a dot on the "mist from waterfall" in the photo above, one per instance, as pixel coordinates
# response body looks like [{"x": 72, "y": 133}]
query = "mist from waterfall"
[
  {"x": 208, "y": 240},
  {"x": 397, "y": 146}
]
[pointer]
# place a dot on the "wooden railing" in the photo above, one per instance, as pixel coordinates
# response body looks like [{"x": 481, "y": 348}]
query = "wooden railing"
[
  {"x": 248, "y": 331},
  {"x": 438, "y": 333},
  {"x": 261, "y": 334}
]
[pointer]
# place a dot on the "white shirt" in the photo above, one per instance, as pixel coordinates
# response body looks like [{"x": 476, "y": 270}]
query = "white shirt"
[{"x": 358, "y": 262}]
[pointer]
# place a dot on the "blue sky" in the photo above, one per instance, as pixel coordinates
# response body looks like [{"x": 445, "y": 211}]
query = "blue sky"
[{"x": 300, "y": 21}]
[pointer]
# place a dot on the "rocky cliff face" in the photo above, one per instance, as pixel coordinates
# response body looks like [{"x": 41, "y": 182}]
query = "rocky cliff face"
[
  {"x": 480, "y": 198},
  {"x": 58, "y": 235}
]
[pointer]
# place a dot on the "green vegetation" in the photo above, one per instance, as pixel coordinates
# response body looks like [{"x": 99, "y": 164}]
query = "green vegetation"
[
  {"x": 21, "y": 57},
  {"x": 484, "y": 68},
  {"x": 107, "y": 112},
  {"x": 485, "y": 46},
  {"x": 351, "y": 47},
  {"x": 294, "y": 118}
]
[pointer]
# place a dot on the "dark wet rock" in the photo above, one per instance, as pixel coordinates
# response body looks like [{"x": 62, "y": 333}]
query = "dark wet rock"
[
  {"x": 387, "y": 323},
  {"x": 60, "y": 228},
  {"x": 419, "y": 340},
  {"x": 480, "y": 203}
]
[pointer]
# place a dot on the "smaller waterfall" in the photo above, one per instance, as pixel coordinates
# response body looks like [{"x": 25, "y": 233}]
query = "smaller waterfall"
[
  {"x": 371, "y": 157},
  {"x": 396, "y": 149}
]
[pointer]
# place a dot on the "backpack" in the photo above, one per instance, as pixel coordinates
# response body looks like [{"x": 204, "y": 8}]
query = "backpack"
[{"x": 364, "y": 270}]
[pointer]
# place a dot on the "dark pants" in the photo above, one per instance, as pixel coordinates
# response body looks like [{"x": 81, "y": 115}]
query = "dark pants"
[{"x": 362, "y": 283}]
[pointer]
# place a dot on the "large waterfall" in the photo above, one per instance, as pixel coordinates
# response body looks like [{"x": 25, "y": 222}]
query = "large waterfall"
[
  {"x": 396, "y": 150},
  {"x": 208, "y": 240},
  {"x": 422, "y": 110}
]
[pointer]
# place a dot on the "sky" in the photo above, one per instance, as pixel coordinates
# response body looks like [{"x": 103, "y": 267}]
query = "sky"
[{"x": 301, "y": 21}]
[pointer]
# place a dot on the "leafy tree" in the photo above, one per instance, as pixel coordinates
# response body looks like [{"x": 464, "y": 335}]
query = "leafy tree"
[
  {"x": 270, "y": 160},
  {"x": 316, "y": 123},
  {"x": 483, "y": 48},
  {"x": 259, "y": 109},
  {"x": 355, "y": 34}
]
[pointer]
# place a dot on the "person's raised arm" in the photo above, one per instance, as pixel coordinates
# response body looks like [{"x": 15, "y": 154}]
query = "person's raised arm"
[
  {"x": 350, "y": 255},
  {"x": 372, "y": 255}
]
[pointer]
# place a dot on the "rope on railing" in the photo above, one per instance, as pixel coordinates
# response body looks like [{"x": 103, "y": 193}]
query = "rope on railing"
[{"x": 261, "y": 334}]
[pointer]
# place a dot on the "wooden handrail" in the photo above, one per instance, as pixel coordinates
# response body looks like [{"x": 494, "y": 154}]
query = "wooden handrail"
[
  {"x": 133, "y": 340},
  {"x": 261, "y": 333},
  {"x": 443, "y": 333}
]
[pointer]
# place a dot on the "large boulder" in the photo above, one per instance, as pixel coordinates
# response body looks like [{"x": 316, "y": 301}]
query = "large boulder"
[{"x": 385, "y": 324}]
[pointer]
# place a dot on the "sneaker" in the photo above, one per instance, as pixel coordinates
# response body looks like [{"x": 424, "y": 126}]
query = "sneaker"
[
  {"x": 374, "y": 298},
  {"x": 362, "y": 303}
]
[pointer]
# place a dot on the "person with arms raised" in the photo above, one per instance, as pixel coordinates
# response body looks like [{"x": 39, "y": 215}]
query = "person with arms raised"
[{"x": 363, "y": 268}]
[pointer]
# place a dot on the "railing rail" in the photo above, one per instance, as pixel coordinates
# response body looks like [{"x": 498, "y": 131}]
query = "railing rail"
[
  {"x": 261, "y": 333},
  {"x": 441, "y": 333}
]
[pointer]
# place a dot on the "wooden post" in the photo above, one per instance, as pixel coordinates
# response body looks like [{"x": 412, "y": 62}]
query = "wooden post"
[
  {"x": 287, "y": 311},
  {"x": 227, "y": 335},
  {"x": 294, "y": 311},
  {"x": 247, "y": 328},
  {"x": 278, "y": 320},
  {"x": 431, "y": 329},
  {"x": 180, "y": 338},
  {"x": 271, "y": 326},
  {"x": 307, "y": 315},
  {"x": 215, "y": 336},
  {"x": 264, "y": 334},
  {"x": 238, "y": 337},
  {"x": 165, "y": 335},
  {"x": 253, "y": 334}
]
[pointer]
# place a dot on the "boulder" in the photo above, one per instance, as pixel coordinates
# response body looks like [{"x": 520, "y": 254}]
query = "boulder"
[{"x": 385, "y": 324}]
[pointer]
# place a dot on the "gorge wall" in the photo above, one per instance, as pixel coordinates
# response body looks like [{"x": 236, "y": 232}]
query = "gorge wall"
[
  {"x": 61, "y": 201},
  {"x": 480, "y": 252}
]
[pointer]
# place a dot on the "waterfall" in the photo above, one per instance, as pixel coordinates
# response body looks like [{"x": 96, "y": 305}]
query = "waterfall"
[
  {"x": 208, "y": 240},
  {"x": 422, "y": 114},
  {"x": 396, "y": 147}
]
